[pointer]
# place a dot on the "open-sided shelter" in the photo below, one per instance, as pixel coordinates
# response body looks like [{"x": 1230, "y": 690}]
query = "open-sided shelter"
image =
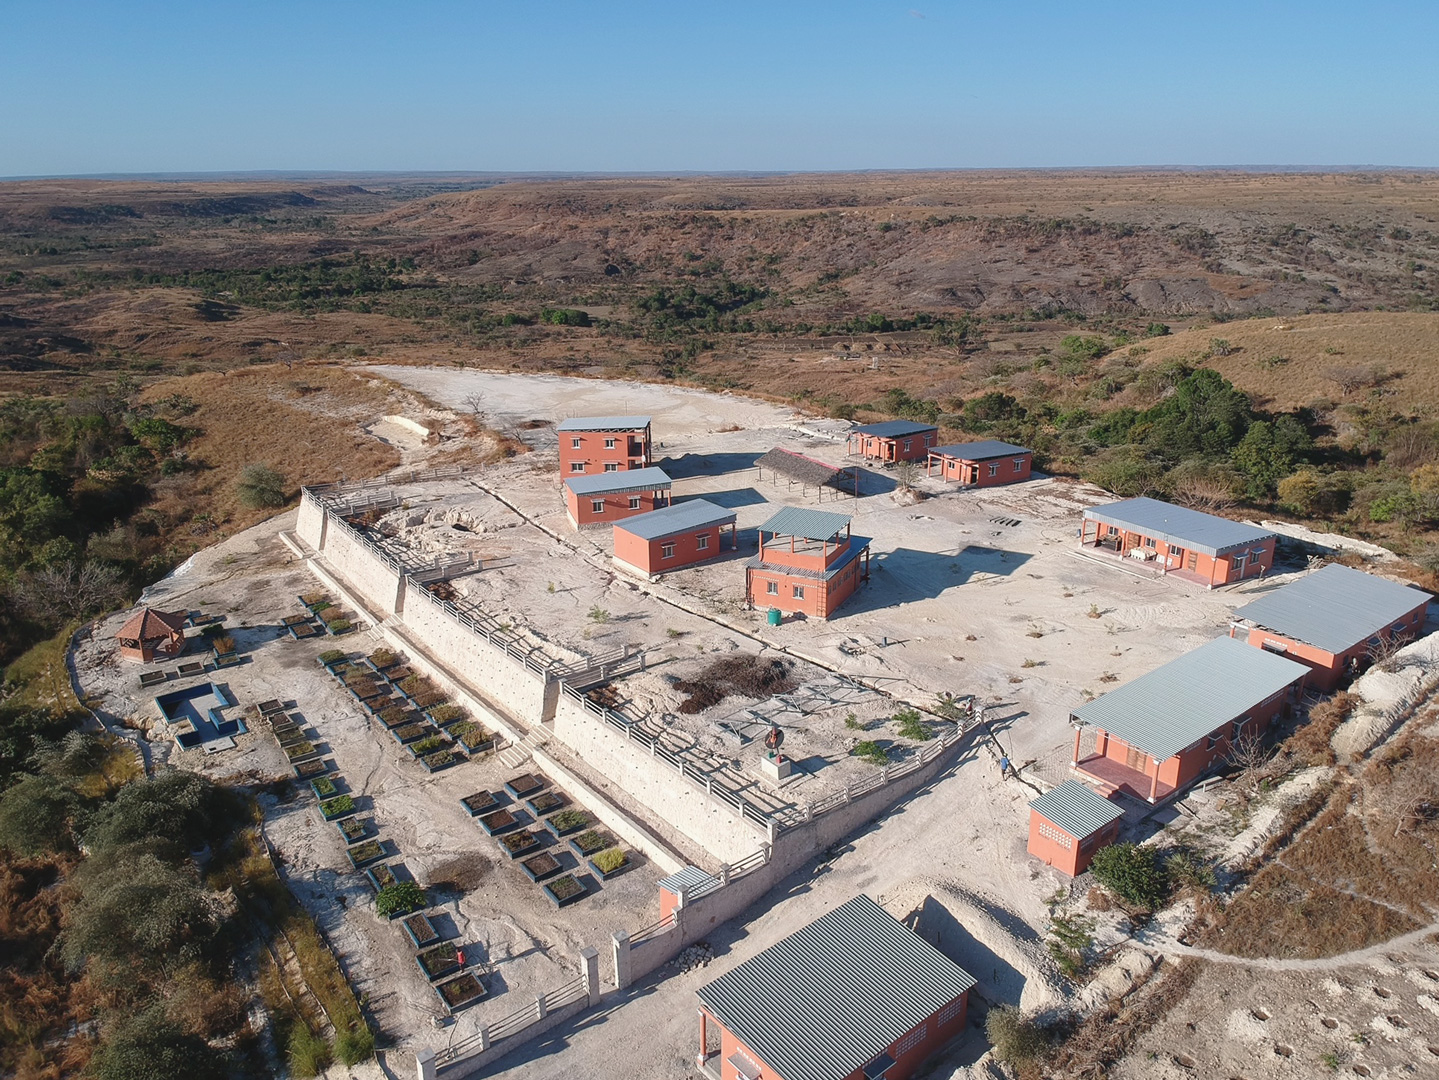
[
  {"x": 893, "y": 440},
  {"x": 1335, "y": 620},
  {"x": 1189, "y": 544},
  {"x": 808, "y": 562},
  {"x": 987, "y": 463},
  {"x": 1158, "y": 734},
  {"x": 596, "y": 444},
  {"x": 600, "y": 498},
  {"x": 795, "y": 468},
  {"x": 152, "y": 635},
  {"x": 1069, "y": 823},
  {"x": 681, "y": 534},
  {"x": 855, "y": 995}
]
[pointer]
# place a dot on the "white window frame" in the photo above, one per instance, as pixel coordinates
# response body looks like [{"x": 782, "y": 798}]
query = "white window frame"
[
  {"x": 597, "y": 506},
  {"x": 577, "y": 466},
  {"x": 994, "y": 468},
  {"x": 576, "y": 443},
  {"x": 667, "y": 551},
  {"x": 1019, "y": 464},
  {"x": 612, "y": 466},
  {"x": 702, "y": 542},
  {"x": 798, "y": 592},
  {"x": 609, "y": 444},
  {"x": 636, "y": 501},
  {"x": 771, "y": 588}
]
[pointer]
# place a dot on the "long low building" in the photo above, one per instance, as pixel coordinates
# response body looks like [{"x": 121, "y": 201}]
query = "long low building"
[
  {"x": 987, "y": 463},
  {"x": 600, "y": 498},
  {"x": 1158, "y": 734},
  {"x": 680, "y": 535},
  {"x": 1199, "y": 547},
  {"x": 1335, "y": 620}
]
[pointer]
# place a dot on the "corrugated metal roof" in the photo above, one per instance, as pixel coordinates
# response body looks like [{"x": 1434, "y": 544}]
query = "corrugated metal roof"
[
  {"x": 982, "y": 450},
  {"x": 1178, "y": 704},
  {"x": 1076, "y": 809},
  {"x": 810, "y": 524},
  {"x": 676, "y": 518},
  {"x": 1179, "y": 525},
  {"x": 857, "y": 546},
  {"x": 830, "y": 998},
  {"x": 1334, "y": 608},
  {"x": 893, "y": 429},
  {"x": 652, "y": 478},
  {"x": 688, "y": 878},
  {"x": 604, "y": 423}
]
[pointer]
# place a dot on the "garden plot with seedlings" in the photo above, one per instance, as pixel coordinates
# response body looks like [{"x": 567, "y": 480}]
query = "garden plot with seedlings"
[{"x": 515, "y": 940}]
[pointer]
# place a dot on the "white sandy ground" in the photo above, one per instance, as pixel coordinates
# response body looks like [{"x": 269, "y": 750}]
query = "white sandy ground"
[{"x": 951, "y": 859}]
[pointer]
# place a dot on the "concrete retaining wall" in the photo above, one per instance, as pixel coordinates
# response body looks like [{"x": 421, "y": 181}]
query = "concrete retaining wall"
[
  {"x": 379, "y": 584},
  {"x": 310, "y": 527}
]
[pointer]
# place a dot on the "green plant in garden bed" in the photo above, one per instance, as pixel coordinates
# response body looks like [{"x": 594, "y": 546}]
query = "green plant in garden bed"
[
  {"x": 458, "y": 991},
  {"x": 610, "y": 860},
  {"x": 565, "y": 887},
  {"x": 222, "y": 644},
  {"x": 392, "y": 715},
  {"x": 366, "y": 852},
  {"x": 401, "y": 898},
  {"x": 313, "y": 598},
  {"x": 428, "y": 745},
  {"x": 444, "y": 714},
  {"x": 440, "y": 759},
  {"x": 381, "y": 876},
  {"x": 870, "y": 751},
  {"x": 299, "y": 749},
  {"x": 415, "y": 684},
  {"x": 429, "y": 699},
  {"x": 591, "y": 841},
  {"x": 519, "y": 841},
  {"x": 353, "y": 829},
  {"x": 412, "y": 731},
  {"x": 323, "y": 786},
  {"x": 338, "y": 806},
  {"x": 383, "y": 658},
  {"x": 338, "y": 626},
  {"x": 545, "y": 802},
  {"x": 570, "y": 819},
  {"x": 329, "y": 656},
  {"x": 439, "y": 960}
]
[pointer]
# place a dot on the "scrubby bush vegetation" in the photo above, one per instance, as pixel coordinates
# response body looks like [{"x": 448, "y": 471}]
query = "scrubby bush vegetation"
[
  {"x": 1133, "y": 873},
  {"x": 399, "y": 897}
]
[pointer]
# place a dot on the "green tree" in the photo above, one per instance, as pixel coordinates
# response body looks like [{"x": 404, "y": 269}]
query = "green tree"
[
  {"x": 151, "y": 1047},
  {"x": 36, "y": 816},
  {"x": 173, "y": 814},
  {"x": 1132, "y": 873},
  {"x": 1268, "y": 453},
  {"x": 260, "y": 487},
  {"x": 32, "y": 511},
  {"x": 159, "y": 435}
]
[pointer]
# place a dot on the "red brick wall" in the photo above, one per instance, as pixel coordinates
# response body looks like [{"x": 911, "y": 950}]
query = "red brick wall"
[
  {"x": 977, "y": 472},
  {"x": 581, "y": 507},
  {"x": 648, "y": 555},
  {"x": 882, "y": 449},
  {"x": 593, "y": 456},
  {"x": 1074, "y": 858}
]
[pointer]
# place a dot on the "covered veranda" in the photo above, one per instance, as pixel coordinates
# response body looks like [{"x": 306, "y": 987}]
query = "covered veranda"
[{"x": 1137, "y": 775}]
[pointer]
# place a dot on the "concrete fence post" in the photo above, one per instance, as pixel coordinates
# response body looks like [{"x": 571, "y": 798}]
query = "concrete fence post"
[
  {"x": 884, "y": 775},
  {"x": 484, "y": 1037},
  {"x": 623, "y": 975},
  {"x": 724, "y": 874},
  {"x": 425, "y": 1064},
  {"x": 590, "y": 969},
  {"x": 541, "y": 1009},
  {"x": 766, "y": 850}
]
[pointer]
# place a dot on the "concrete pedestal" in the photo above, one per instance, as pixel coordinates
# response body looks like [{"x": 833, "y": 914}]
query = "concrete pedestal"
[{"x": 775, "y": 770}]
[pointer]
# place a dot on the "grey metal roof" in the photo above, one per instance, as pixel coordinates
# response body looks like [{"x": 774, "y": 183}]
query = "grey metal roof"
[
  {"x": 893, "y": 429},
  {"x": 604, "y": 423},
  {"x": 1178, "y": 704},
  {"x": 1179, "y": 525},
  {"x": 810, "y": 524},
  {"x": 830, "y": 998},
  {"x": 1334, "y": 608},
  {"x": 1078, "y": 810},
  {"x": 676, "y": 518},
  {"x": 651, "y": 478},
  {"x": 982, "y": 450},
  {"x": 688, "y": 878}
]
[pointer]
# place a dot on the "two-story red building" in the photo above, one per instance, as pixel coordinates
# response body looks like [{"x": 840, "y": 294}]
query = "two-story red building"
[
  {"x": 1069, "y": 823},
  {"x": 855, "y": 995},
  {"x": 893, "y": 440},
  {"x": 680, "y": 535},
  {"x": 987, "y": 463},
  {"x": 597, "y": 444},
  {"x": 808, "y": 562},
  {"x": 1334, "y": 620},
  {"x": 1203, "y": 548},
  {"x": 602, "y": 498},
  {"x": 1158, "y": 734}
]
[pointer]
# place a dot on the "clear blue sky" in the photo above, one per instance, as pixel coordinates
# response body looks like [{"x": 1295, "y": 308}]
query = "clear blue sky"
[{"x": 609, "y": 85}]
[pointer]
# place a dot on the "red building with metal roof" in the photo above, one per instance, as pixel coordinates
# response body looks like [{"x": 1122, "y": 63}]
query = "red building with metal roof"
[
  {"x": 598, "y": 444},
  {"x": 809, "y": 563},
  {"x": 1203, "y": 548},
  {"x": 1069, "y": 823},
  {"x": 599, "y": 499},
  {"x": 893, "y": 440},
  {"x": 680, "y": 535},
  {"x": 987, "y": 463},
  {"x": 855, "y": 995}
]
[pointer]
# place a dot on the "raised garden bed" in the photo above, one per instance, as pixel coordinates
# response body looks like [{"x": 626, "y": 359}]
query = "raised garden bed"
[
  {"x": 287, "y": 733},
  {"x": 457, "y": 993},
  {"x": 383, "y": 658},
  {"x": 439, "y": 961},
  {"x": 338, "y": 807},
  {"x": 414, "y": 685},
  {"x": 395, "y": 716},
  {"x": 293, "y": 620},
  {"x": 332, "y": 658},
  {"x": 525, "y": 785},
  {"x": 365, "y": 689},
  {"x": 546, "y": 802},
  {"x": 498, "y": 822},
  {"x": 446, "y": 714},
  {"x": 274, "y": 705},
  {"x": 564, "y": 890},
  {"x": 430, "y": 744},
  {"x": 542, "y": 866},
  {"x": 368, "y": 852},
  {"x": 420, "y": 930},
  {"x": 590, "y": 843},
  {"x": 324, "y": 787},
  {"x": 297, "y": 750},
  {"x": 609, "y": 863},
  {"x": 441, "y": 759},
  {"x": 381, "y": 876},
  {"x": 429, "y": 699},
  {"x": 398, "y": 674},
  {"x": 519, "y": 843},
  {"x": 354, "y": 829},
  {"x": 471, "y": 736},
  {"x": 337, "y": 627},
  {"x": 305, "y": 770},
  {"x": 410, "y": 732},
  {"x": 302, "y": 630},
  {"x": 481, "y": 802},
  {"x": 567, "y": 821}
]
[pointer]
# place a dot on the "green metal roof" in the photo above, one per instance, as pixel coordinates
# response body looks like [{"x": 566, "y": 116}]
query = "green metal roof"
[
  {"x": 829, "y": 999},
  {"x": 1176, "y": 705},
  {"x": 809, "y": 524},
  {"x": 1076, "y": 809}
]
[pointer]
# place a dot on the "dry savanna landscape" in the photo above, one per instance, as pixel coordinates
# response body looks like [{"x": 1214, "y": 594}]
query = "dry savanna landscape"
[{"x": 180, "y": 358}]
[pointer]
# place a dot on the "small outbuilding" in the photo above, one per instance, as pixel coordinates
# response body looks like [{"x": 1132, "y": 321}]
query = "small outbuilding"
[
  {"x": 855, "y": 995},
  {"x": 597, "y": 444},
  {"x": 600, "y": 498},
  {"x": 808, "y": 562},
  {"x": 152, "y": 635},
  {"x": 1068, "y": 824},
  {"x": 1198, "y": 547},
  {"x": 987, "y": 463},
  {"x": 681, "y": 534},
  {"x": 1335, "y": 620},
  {"x": 1158, "y": 734},
  {"x": 893, "y": 440}
]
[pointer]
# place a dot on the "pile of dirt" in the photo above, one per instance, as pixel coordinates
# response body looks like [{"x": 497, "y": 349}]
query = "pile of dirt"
[{"x": 745, "y": 674}]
